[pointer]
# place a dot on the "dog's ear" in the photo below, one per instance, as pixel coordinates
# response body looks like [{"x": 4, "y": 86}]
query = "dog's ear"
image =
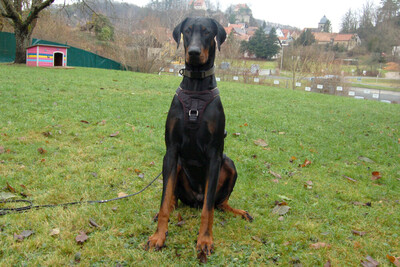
[
  {"x": 177, "y": 32},
  {"x": 221, "y": 34}
]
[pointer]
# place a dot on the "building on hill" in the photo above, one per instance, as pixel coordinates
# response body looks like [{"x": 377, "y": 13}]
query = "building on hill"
[
  {"x": 198, "y": 4},
  {"x": 322, "y": 23},
  {"x": 242, "y": 13},
  {"x": 348, "y": 40}
]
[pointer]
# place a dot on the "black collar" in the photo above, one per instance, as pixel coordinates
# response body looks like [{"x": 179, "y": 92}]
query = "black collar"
[{"x": 197, "y": 74}]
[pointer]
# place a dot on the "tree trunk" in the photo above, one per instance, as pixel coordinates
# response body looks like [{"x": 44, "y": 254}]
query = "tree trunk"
[{"x": 22, "y": 40}]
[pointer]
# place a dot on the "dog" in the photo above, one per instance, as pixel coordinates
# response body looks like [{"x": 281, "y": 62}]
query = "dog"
[{"x": 195, "y": 170}]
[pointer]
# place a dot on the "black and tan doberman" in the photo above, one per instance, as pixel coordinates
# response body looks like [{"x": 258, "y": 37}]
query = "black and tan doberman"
[{"x": 195, "y": 170}]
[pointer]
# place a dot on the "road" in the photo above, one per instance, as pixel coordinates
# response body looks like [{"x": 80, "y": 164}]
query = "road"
[{"x": 374, "y": 94}]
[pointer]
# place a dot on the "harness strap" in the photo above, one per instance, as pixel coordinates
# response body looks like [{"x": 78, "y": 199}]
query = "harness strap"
[{"x": 194, "y": 103}]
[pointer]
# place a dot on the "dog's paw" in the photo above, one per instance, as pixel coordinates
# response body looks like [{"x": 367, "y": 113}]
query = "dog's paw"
[
  {"x": 247, "y": 216},
  {"x": 156, "y": 241},
  {"x": 205, "y": 245}
]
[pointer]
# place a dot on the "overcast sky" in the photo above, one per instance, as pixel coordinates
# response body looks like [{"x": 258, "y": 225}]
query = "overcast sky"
[{"x": 297, "y": 13}]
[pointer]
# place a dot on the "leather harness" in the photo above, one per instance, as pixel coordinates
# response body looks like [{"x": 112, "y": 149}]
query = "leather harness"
[{"x": 194, "y": 103}]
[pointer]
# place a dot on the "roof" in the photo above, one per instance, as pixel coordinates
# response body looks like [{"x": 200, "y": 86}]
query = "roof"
[
  {"x": 323, "y": 36},
  {"x": 336, "y": 37},
  {"x": 323, "y": 20},
  {"x": 344, "y": 37},
  {"x": 63, "y": 46}
]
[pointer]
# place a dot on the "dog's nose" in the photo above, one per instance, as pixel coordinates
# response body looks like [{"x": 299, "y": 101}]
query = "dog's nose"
[{"x": 194, "y": 51}]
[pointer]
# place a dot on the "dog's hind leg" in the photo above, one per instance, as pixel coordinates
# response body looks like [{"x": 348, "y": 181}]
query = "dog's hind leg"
[{"x": 227, "y": 180}]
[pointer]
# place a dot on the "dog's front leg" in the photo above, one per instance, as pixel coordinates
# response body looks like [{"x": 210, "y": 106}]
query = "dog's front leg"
[
  {"x": 205, "y": 239},
  {"x": 168, "y": 200}
]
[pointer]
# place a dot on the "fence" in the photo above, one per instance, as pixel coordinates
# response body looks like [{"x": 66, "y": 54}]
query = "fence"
[{"x": 76, "y": 57}]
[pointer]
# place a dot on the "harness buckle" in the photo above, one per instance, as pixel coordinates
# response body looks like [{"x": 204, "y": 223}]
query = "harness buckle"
[{"x": 193, "y": 114}]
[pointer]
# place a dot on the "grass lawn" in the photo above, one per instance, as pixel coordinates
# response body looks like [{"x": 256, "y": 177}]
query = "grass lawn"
[{"x": 55, "y": 147}]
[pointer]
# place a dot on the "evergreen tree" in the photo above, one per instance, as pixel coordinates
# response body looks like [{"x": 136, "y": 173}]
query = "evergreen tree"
[
  {"x": 327, "y": 26},
  {"x": 306, "y": 38},
  {"x": 272, "y": 44},
  {"x": 257, "y": 44}
]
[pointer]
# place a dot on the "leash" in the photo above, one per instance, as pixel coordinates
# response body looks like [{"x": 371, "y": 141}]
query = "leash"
[{"x": 30, "y": 206}]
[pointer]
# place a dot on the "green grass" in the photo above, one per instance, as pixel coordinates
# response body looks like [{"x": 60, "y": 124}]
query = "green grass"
[{"x": 83, "y": 162}]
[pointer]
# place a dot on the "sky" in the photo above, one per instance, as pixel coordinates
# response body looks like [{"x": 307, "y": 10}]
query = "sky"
[{"x": 296, "y": 13}]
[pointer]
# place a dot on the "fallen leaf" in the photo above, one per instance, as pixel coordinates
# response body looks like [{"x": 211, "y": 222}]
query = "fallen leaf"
[
  {"x": 282, "y": 133},
  {"x": 328, "y": 264},
  {"x": 308, "y": 185},
  {"x": 281, "y": 209},
  {"x": 2, "y": 150},
  {"x": 94, "y": 174},
  {"x": 376, "y": 176},
  {"x": 365, "y": 159},
  {"x": 10, "y": 188},
  {"x": 356, "y": 203},
  {"x": 292, "y": 159},
  {"x": 281, "y": 218},
  {"x": 93, "y": 223},
  {"x": 275, "y": 181},
  {"x": 236, "y": 134},
  {"x": 306, "y": 163},
  {"x": 122, "y": 194},
  {"x": 81, "y": 238},
  {"x": 369, "y": 262},
  {"x": 47, "y": 134},
  {"x": 180, "y": 220},
  {"x": 152, "y": 163},
  {"x": 23, "y": 235},
  {"x": 350, "y": 179},
  {"x": 276, "y": 175},
  {"x": 260, "y": 142},
  {"x": 6, "y": 195},
  {"x": 394, "y": 260},
  {"x": 245, "y": 124},
  {"x": 355, "y": 232},
  {"x": 83, "y": 121},
  {"x": 41, "y": 150},
  {"x": 114, "y": 134},
  {"x": 18, "y": 238},
  {"x": 55, "y": 231},
  {"x": 256, "y": 238},
  {"x": 319, "y": 245},
  {"x": 137, "y": 171}
]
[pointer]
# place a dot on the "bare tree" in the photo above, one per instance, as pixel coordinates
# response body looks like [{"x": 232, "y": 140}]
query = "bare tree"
[
  {"x": 22, "y": 16},
  {"x": 349, "y": 22},
  {"x": 303, "y": 61}
]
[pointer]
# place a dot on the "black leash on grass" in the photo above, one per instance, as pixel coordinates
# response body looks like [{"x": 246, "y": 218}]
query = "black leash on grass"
[{"x": 30, "y": 206}]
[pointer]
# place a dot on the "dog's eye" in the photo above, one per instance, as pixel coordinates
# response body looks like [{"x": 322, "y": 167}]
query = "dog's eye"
[{"x": 206, "y": 32}]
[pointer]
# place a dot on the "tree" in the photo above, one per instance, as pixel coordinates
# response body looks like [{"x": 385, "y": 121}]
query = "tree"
[
  {"x": 102, "y": 27},
  {"x": 257, "y": 44},
  {"x": 327, "y": 26},
  {"x": 306, "y": 38},
  {"x": 349, "y": 22},
  {"x": 22, "y": 15},
  {"x": 272, "y": 46},
  {"x": 389, "y": 10}
]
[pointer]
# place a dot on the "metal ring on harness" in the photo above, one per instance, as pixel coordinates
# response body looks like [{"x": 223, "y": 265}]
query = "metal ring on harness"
[{"x": 193, "y": 113}]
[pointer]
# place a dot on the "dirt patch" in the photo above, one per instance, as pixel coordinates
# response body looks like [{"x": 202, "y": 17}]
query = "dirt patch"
[{"x": 392, "y": 66}]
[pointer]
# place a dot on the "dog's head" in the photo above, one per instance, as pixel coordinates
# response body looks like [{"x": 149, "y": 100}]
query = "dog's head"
[{"x": 199, "y": 36}]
